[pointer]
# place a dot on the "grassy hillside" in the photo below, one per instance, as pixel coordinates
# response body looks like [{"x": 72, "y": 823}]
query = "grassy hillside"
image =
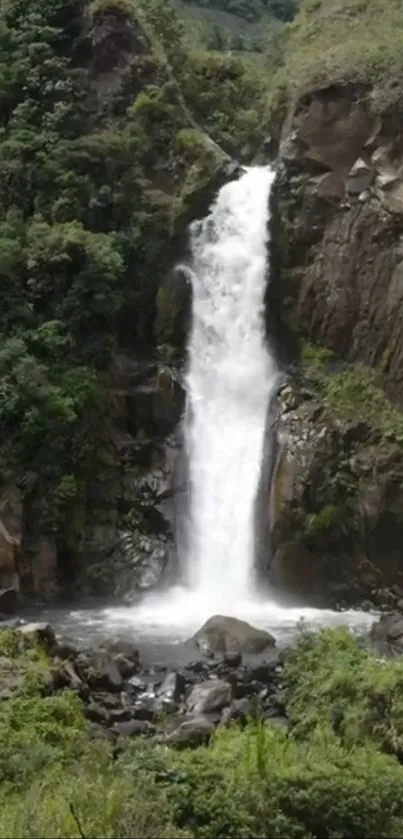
[
  {"x": 238, "y": 25},
  {"x": 341, "y": 42}
]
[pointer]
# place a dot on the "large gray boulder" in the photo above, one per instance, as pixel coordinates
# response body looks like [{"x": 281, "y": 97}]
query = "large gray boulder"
[{"x": 225, "y": 634}]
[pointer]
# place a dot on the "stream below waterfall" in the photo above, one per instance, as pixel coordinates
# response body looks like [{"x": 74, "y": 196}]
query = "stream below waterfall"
[{"x": 162, "y": 624}]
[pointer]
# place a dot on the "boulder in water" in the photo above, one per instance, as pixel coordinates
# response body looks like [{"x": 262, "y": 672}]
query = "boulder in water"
[{"x": 226, "y": 634}]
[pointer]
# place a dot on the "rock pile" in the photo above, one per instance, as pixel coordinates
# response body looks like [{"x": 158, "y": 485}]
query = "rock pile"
[{"x": 122, "y": 698}]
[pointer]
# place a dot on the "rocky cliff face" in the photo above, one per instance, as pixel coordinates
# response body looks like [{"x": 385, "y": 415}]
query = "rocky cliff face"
[
  {"x": 337, "y": 496},
  {"x": 341, "y": 199}
]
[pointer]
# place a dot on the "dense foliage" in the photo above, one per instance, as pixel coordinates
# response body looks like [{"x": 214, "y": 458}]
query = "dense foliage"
[
  {"x": 334, "y": 775},
  {"x": 85, "y": 223}
]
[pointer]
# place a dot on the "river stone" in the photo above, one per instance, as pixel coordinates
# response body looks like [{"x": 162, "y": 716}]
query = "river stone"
[
  {"x": 227, "y": 634},
  {"x": 209, "y": 696},
  {"x": 191, "y": 734},
  {"x": 173, "y": 686},
  {"x": 239, "y": 710},
  {"x": 41, "y": 633},
  {"x": 133, "y": 728},
  {"x": 126, "y": 666},
  {"x": 96, "y": 713},
  {"x": 105, "y": 675},
  {"x": 388, "y": 631}
]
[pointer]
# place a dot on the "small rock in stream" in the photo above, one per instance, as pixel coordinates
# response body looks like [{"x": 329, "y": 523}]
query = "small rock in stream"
[{"x": 224, "y": 634}]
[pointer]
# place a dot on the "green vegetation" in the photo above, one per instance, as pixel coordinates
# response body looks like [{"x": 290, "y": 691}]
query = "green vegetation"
[
  {"x": 93, "y": 183},
  {"x": 336, "y": 774},
  {"x": 353, "y": 395},
  {"x": 355, "y": 423},
  {"x": 254, "y": 9},
  {"x": 353, "y": 41},
  {"x": 236, "y": 25},
  {"x": 227, "y": 97},
  {"x": 334, "y": 681}
]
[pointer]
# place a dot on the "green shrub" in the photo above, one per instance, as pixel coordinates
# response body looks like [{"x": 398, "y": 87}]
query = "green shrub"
[
  {"x": 37, "y": 732},
  {"x": 259, "y": 783},
  {"x": 92, "y": 798},
  {"x": 354, "y": 394},
  {"x": 333, "y": 680}
]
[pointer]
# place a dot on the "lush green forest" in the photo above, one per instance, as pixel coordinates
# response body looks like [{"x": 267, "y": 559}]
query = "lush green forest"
[{"x": 85, "y": 224}]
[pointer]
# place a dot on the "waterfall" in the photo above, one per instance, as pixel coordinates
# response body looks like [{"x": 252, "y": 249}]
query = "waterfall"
[{"x": 229, "y": 379}]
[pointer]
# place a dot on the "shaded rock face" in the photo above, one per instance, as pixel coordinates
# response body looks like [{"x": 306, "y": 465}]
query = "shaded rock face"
[
  {"x": 227, "y": 634},
  {"x": 335, "y": 508},
  {"x": 117, "y": 44},
  {"x": 339, "y": 220},
  {"x": 129, "y": 540}
]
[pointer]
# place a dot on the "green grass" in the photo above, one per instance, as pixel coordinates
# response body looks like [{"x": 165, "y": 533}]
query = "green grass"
[
  {"x": 340, "y": 42},
  {"x": 353, "y": 395}
]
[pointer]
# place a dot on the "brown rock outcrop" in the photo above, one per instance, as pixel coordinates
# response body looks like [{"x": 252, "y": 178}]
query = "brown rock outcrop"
[{"x": 340, "y": 207}]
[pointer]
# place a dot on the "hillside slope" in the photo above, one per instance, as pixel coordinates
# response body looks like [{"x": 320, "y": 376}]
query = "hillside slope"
[{"x": 239, "y": 25}]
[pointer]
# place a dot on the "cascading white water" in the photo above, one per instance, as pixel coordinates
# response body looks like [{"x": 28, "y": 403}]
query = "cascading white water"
[{"x": 230, "y": 375}]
